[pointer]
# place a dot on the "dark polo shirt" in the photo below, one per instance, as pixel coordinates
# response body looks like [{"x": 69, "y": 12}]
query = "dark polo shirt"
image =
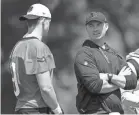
[{"x": 90, "y": 61}]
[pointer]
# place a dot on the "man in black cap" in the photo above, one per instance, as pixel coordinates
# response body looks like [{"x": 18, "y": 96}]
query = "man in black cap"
[{"x": 98, "y": 93}]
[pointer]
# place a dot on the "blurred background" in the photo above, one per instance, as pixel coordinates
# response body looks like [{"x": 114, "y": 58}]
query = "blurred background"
[{"x": 66, "y": 35}]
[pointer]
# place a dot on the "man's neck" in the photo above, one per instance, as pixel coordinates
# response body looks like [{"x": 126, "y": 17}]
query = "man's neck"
[
  {"x": 32, "y": 35},
  {"x": 35, "y": 33},
  {"x": 99, "y": 42}
]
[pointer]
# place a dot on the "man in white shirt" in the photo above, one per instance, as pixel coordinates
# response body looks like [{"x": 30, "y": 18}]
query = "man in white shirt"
[{"x": 130, "y": 98}]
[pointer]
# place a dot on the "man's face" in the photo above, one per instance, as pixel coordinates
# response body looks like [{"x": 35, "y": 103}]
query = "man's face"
[{"x": 94, "y": 29}]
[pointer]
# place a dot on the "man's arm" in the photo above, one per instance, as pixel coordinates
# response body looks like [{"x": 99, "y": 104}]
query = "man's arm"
[
  {"x": 87, "y": 71},
  {"x": 126, "y": 79},
  {"x": 47, "y": 91},
  {"x": 40, "y": 62},
  {"x": 118, "y": 81},
  {"x": 107, "y": 87}
]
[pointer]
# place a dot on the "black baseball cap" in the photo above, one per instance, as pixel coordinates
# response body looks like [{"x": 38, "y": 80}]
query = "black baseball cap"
[{"x": 96, "y": 16}]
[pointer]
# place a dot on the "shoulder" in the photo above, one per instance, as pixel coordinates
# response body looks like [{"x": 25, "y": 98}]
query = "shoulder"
[
  {"x": 30, "y": 48},
  {"x": 85, "y": 50},
  {"x": 30, "y": 44},
  {"x": 35, "y": 43},
  {"x": 85, "y": 53},
  {"x": 18, "y": 49},
  {"x": 37, "y": 46}
]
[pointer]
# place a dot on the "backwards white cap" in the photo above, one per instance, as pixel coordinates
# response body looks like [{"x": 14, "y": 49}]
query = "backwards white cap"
[{"x": 35, "y": 11}]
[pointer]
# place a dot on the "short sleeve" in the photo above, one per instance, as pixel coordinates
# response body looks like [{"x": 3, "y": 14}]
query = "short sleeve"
[{"x": 38, "y": 59}]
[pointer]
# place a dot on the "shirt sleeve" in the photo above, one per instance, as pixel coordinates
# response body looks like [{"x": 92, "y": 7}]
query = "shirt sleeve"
[
  {"x": 86, "y": 70},
  {"x": 131, "y": 80},
  {"x": 133, "y": 58},
  {"x": 136, "y": 66},
  {"x": 38, "y": 59}
]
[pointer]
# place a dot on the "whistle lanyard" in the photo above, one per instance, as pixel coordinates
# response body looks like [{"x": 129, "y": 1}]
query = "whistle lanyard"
[{"x": 105, "y": 56}]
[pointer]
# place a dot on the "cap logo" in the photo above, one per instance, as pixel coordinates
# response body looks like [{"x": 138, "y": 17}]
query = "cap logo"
[
  {"x": 30, "y": 9},
  {"x": 94, "y": 14}
]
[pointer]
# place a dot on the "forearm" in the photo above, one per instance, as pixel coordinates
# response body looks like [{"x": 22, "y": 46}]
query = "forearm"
[
  {"x": 106, "y": 87},
  {"x": 47, "y": 91},
  {"x": 119, "y": 81},
  {"x": 127, "y": 82},
  {"x": 49, "y": 97},
  {"x": 100, "y": 86},
  {"x": 124, "y": 82}
]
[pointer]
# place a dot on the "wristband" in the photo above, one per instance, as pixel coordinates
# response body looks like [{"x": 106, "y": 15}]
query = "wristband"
[
  {"x": 110, "y": 77},
  {"x": 57, "y": 110}
]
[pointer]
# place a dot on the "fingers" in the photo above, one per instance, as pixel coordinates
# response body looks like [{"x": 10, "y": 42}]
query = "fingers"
[
  {"x": 128, "y": 69},
  {"x": 123, "y": 69}
]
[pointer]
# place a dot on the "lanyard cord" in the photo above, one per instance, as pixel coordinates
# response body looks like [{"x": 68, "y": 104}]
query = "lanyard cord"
[{"x": 104, "y": 55}]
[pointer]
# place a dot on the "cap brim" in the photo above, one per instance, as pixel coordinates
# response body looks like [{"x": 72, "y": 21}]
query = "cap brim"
[
  {"x": 94, "y": 20},
  {"x": 27, "y": 17}
]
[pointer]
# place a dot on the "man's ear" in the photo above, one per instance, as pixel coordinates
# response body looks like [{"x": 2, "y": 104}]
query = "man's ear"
[{"x": 106, "y": 26}]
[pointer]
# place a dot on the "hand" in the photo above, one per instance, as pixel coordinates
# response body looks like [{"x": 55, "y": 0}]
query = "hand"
[
  {"x": 125, "y": 71},
  {"x": 58, "y": 110},
  {"x": 51, "y": 112},
  {"x": 104, "y": 76}
]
